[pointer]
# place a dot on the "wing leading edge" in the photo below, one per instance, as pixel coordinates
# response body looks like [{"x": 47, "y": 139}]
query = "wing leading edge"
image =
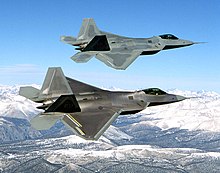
[
  {"x": 118, "y": 60},
  {"x": 89, "y": 123},
  {"x": 92, "y": 124}
]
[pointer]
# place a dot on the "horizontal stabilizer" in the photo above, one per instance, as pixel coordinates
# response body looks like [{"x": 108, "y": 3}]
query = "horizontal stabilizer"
[
  {"x": 98, "y": 43},
  {"x": 29, "y": 92},
  {"x": 45, "y": 121},
  {"x": 82, "y": 57},
  {"x": 68, "y": 39},
  {"x": 55, "y": 84}
]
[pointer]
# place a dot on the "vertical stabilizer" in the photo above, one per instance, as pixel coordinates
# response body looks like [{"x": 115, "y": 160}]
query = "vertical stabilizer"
[
  {"x": 55, "y": 83},
  {"x": 88, "y": 30}
]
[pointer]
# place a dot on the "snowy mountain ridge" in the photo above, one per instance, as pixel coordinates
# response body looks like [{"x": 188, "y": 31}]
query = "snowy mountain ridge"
[
  {"x": 14, "y": 105},
  {"x": 200, "y": 112}
]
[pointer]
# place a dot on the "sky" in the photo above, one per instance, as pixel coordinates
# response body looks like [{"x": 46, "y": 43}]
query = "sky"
[{"x": 30, "y": 33}]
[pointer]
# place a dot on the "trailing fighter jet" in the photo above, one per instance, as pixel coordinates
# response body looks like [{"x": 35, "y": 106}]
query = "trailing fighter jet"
[
  {"x": 86, "y": 109},
  {"x": 114, "y": 50}
]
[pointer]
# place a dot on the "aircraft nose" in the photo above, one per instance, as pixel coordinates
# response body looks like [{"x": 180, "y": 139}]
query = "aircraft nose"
[
  {"x": 187, "y": 42},
  {"x": 180, "y": 98}
]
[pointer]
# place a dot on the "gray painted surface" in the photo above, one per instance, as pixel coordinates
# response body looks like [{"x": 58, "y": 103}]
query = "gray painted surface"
[
  {"x": 114, "y": 50},
  {"x": 86, "y": 109}
]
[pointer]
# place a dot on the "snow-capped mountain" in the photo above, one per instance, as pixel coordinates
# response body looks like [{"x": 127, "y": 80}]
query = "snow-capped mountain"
[
  {"x": 179, "y": 137},
  {"x": 73, "y": 154},
  {"x": 200, "y": 112},
  {"x": 13, "y": 105}
]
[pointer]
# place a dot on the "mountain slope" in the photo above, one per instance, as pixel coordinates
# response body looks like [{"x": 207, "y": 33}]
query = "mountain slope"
[
  {"x": 13, "y": 105},
  {"x": 73, "y": 154}
]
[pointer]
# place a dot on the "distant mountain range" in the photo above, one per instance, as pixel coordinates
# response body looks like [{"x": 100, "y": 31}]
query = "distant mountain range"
[{"x": 180, "y": 137}]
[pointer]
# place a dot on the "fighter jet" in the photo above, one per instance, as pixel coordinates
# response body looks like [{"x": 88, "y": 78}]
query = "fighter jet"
[
  {"x": 86, "y": 109},
  {"x": 114, "y": 50}
]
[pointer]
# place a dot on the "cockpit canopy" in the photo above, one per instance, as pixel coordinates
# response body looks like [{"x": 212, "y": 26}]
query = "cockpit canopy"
[
  {"x": 168, "y": 37},
  {"x": 154, "y": 91}
]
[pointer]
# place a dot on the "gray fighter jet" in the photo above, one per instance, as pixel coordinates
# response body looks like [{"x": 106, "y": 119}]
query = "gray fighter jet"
[
  {"x": 117, "y": 51},
  {"x": 86, "y": 109}
]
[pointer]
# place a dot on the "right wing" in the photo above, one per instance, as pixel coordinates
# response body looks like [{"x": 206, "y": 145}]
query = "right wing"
[
  {"x": 118, "y": 60},
  {"x": 90, "y": 125},
  {"x": 68, "y": 39}
]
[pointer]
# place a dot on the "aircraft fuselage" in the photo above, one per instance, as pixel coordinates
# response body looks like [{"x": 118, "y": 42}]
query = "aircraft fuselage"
[
  {"x": 148, "y": 46},
  {"x": 86, "y": 109},
  {"x": 128, "y": 102},
  {"x": 117, "y": 51}
]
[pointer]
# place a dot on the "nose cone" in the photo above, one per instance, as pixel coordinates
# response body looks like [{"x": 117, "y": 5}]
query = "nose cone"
[
  {"x": 180, "y": 98},
  {"x": 172, "y": 44},
  {"x": 178, "y": 43},
  {"x": 185, "y": 42}
]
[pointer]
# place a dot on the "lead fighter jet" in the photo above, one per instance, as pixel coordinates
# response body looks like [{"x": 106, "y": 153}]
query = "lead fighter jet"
[
  {"x": 86, "y": 109},
  {"x": 114, "y": 50}
]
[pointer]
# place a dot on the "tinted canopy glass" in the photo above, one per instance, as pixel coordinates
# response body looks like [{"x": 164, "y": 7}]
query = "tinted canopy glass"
[
  {"x": 154, "y": 91},
  {"x": 168, "y": 37}
]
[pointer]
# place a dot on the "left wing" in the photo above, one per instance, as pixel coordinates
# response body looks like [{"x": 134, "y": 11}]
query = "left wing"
[
  {"x": 92, "y": 124},
  {"x": 120, "y": 59}
]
